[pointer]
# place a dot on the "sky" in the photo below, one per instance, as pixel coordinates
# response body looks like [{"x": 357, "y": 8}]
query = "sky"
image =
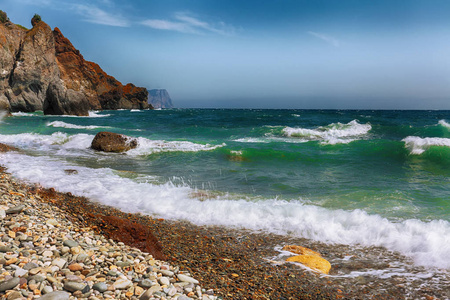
[{"x": 326, "y": 54}]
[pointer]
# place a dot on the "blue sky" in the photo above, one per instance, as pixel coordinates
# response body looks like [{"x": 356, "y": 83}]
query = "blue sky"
[{"x": 264, "y": 54}]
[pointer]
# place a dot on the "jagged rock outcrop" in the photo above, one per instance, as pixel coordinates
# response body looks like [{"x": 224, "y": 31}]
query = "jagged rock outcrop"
[
  {"x": 101, "y": 90},
  {"x": 41, "y": 70},
  {"x": 113, "y": 142},
  {"x": 159, "y": 98}
]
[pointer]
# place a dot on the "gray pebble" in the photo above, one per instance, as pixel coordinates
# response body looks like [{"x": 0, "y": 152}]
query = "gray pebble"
[{"x": 9, "y": 284}]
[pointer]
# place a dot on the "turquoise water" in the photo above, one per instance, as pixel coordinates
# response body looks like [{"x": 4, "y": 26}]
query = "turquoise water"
[{"x": 371, "y": 177}]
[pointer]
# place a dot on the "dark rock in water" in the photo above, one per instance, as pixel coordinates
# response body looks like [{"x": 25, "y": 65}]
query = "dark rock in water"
[
  {"x": 71, "y": 172},
  {"x": 6, "y": 148},
  {"x": 159, "y": 98},
  {"x": 113, "y": 142}
]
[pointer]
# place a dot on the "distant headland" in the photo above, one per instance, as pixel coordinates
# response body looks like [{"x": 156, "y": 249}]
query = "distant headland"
[
  {"x": 159, "y": 98},
  {"x": 40, "y": 69}
]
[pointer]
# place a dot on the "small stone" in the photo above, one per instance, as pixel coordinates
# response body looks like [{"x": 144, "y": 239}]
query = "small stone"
[
  {"x": 58, "y": 295},
  {"x": 75, "y": 267},
  {"x": 149, "y": 293},
  {"x": 20, "y": 272},
  {"x": 14, "y": 295},
  {"x": 47, "y": 289},
  {"x": 146, "y": 283},
  {"x": 15, "y": 210},
  {"x": 122, "y": 264},
  {"x": 34, "y": 271},
  {"x": 47, "y": 253},
  {"x": 73, "y": 286},
  {"x": 166, "y": 273},
  {"x": 5, "y": 249},
  {"x": 164, "y": 281},
  {"x": 138, "y": 291},
  {"x": 65, "y": 250},
  {"x": 11, "y": 261},
  {"x": 121, "y": 284},
  {"x": 70, "y": 243},
  {"x": 100, "y": 286},
  {"x": 9, "y": 284},
  {"x": 52, "y": 222},
  {"x": 2, "y": 214},
  {"x": 75, "y": 250},
  {"x": 82, "y": 257},
  {"x": 30, "y": 266},
  {"x": 59, "y": 262},
  {"x": 36, "y": 278},
  {"x": 185, "y": 278}
]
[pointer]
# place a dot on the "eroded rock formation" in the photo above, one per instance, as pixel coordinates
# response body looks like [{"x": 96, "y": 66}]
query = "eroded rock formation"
[
  {"x": 159, "y": 98},
  {"x": 40, "y": 69}
]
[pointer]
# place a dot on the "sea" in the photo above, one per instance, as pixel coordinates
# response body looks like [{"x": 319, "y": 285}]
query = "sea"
[{"x": 354, "y": 177}]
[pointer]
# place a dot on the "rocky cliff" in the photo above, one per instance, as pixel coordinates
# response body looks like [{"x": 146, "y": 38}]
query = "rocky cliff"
[
  {"x": 159, "y": 99},
  {"x": 40, "y": 69}
]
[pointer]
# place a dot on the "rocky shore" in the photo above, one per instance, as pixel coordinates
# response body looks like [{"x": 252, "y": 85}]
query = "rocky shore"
[
  {"x": 58, "y": 246},
  {"x": 44, "y": 254}
]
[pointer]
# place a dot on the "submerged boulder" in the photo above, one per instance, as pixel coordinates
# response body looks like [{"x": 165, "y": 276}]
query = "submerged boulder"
[
  {"x": 309, "y": 258},
  {"x": 113, "y": 142},
  {"x": 314, "y": 262}
]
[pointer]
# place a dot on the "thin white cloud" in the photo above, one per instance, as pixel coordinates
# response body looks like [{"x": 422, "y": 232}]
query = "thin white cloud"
[
  {"x": 186, "y": 23},
  {"x": 93, "y": 14},
  {"x": 326, "y": 38},
  {"x": 169, "y": 25}
]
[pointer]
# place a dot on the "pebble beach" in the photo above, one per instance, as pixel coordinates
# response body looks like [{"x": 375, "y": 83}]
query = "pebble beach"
[{"x": 59, "y": 246}]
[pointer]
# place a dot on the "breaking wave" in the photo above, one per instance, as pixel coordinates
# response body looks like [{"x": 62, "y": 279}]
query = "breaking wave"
[{"x": 335, "y": 133}]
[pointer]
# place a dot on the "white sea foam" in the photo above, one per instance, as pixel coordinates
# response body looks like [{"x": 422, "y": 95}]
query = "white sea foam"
[
  {"x": 418, "y": 145},
  {"x": 428, "y": 243},
  {"x": 334, "y": 133},
  {"x": 78, "y": 144},
  {"x": 147, "y": 147},
  {"x": 444, "y": 123},
  {"x": 24, "y": 114},
  {"x": 61, "y": 124},
  {"x": 95, "y": 114},
  {"x": 135, "y": 110}
]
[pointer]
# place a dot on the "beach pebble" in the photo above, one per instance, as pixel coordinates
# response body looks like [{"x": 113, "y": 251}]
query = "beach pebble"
[
  {"x": 70, "y": 243},
  {"x": 58, "y": 295},
  {"x": 15, "y": 209},
  {"x": 9, "y": 284},
  {"x": 121, "y": 284},
  {"x": 185, "y": 278},
  {"x": 73, "y": 286},
  {"x": 100, "y": 286}
]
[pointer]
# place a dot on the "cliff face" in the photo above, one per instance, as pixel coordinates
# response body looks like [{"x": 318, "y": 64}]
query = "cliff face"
[
  {"x": 41, "y": 70},
  {"x": 159, "y": 98}
]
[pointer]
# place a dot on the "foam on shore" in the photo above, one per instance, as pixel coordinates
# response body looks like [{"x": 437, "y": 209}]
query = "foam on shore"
[{"x": 428, "y": 243}]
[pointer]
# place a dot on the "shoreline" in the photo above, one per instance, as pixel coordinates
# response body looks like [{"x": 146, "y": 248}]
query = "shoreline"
[{"x": 241, "y": 264}]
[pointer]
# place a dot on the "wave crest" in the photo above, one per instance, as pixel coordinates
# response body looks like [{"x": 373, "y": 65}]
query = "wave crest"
[
  {"x": 73, "y": 126},
  {"x": 335, "y": 133},
  {"x": 418, "y": 145}
]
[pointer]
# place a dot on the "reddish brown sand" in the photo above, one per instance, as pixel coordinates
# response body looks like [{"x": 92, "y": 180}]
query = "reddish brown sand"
[{"x": 237, "y": 264}]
